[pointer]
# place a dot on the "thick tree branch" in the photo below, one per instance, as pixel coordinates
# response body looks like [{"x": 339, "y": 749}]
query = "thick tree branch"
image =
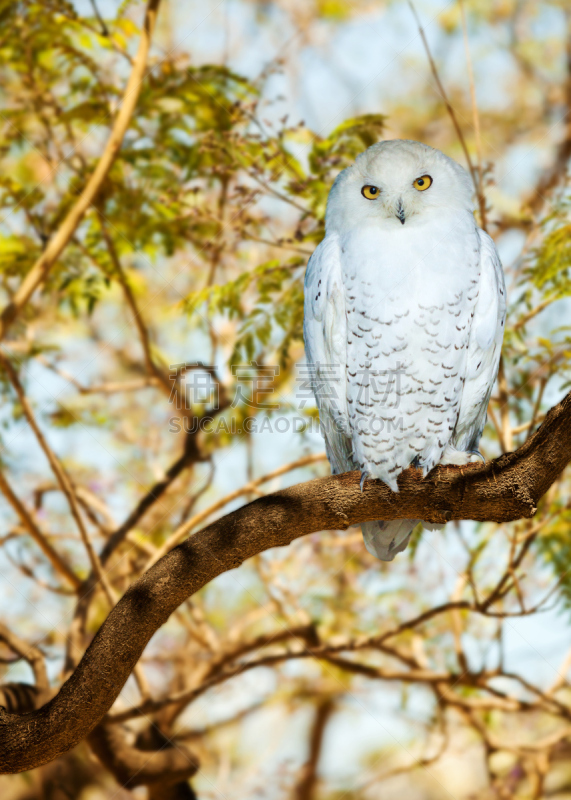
[
  {"x": 58, "y": 242},
  {"x": 506, "y": 489},
  {"x": 153, "y": 760}
]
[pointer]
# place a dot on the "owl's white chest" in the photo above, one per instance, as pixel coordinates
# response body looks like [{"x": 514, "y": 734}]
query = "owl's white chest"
[{"x": 410, "y": 293}]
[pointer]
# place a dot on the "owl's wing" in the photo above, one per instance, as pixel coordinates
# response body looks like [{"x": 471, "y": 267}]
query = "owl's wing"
[
  {"x": 325, "y": 334},
  {"x": 484, "y": 347}
]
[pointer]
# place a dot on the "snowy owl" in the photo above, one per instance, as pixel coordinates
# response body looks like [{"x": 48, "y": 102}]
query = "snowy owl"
[{"x": 405, "y": 306}]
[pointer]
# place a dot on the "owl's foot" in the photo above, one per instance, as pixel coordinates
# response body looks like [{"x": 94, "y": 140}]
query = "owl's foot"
[
  {"x": 460, "y": 458},
  {"x": 364, "y": 476}
]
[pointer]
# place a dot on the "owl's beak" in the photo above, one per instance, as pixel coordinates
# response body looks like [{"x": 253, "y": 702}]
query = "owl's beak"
[{"x": 400, "y": 212}]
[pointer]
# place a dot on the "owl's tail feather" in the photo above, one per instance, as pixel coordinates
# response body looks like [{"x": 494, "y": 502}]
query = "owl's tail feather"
[{"x": 385, "y": 538}]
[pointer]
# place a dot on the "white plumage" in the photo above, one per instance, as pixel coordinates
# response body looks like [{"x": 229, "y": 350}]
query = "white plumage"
[{"x": 404, "y": 316}]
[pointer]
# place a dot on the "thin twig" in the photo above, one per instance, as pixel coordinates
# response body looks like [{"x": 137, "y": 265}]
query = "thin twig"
[
  {"x": 144, "y": 337},
  {"x": 449, "y": 107},
  {"x": 31, "y": 654},
  {"x": 476, "y": 118},
  {"x": 37, "y": 535},
  {"x": 191, "y": 523},
  {"x": 505, "y": 408},
  {"x": 60, "y": 476}
]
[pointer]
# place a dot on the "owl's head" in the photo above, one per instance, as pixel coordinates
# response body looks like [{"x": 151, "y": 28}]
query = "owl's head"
[{"x": 398, "y": 182}]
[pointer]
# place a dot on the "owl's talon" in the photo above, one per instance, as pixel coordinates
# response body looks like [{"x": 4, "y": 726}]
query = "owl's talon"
[
  {"x": 364, "y": 476},
  {"x": 477, "y": 453}
]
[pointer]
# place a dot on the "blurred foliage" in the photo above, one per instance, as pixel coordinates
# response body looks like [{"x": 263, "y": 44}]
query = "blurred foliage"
[{"x": 190, "y": 264}]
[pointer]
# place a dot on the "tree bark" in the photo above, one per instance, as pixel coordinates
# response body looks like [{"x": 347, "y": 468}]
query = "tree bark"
[{"x": 503, "y": 490}]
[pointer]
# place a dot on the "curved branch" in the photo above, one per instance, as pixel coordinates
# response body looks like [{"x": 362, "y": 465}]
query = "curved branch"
[
  {"x": 132, "y": 766},
  {"x": 506, "y": 489},
  {"x": 153, "y": 760},
  {"x": 58, "y": 242}
]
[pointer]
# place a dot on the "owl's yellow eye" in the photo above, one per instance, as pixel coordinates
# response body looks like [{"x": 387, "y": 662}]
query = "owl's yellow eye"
[
  {"x": 423, "y": 183},
  {"x": 370, "y": 192}
]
